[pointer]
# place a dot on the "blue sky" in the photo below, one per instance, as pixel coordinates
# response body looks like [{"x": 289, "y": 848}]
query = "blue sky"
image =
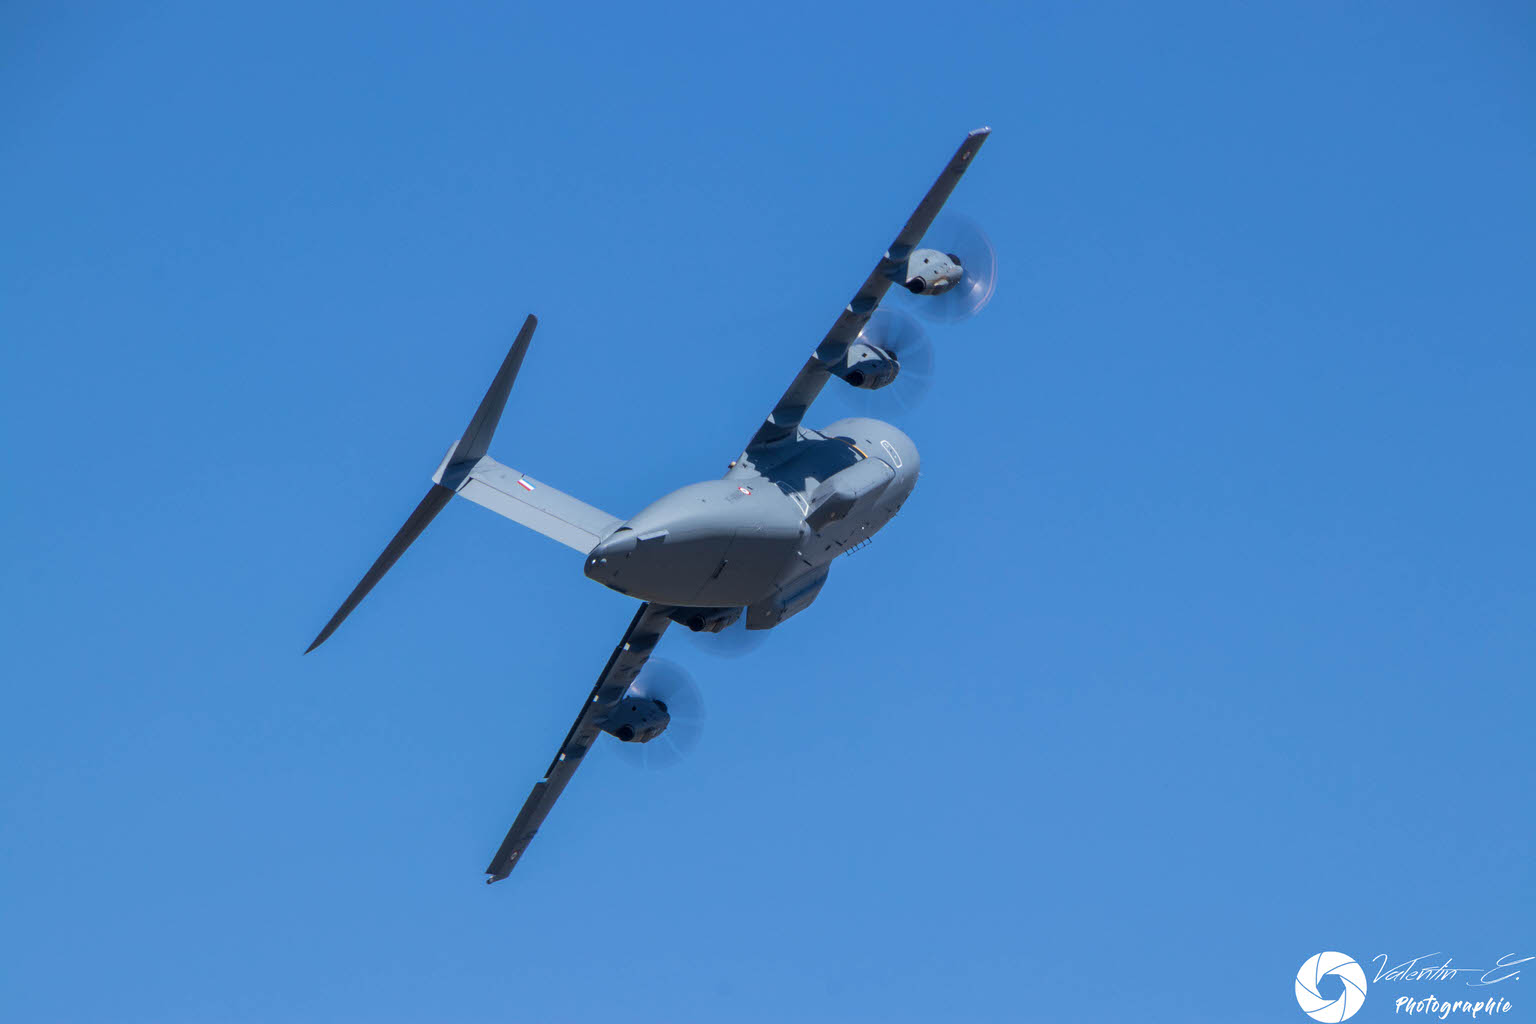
[{"x": 1203, "y": 646}]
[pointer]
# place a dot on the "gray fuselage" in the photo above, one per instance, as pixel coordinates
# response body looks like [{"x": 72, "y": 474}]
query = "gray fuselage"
[{"x": 762, "y": 537}]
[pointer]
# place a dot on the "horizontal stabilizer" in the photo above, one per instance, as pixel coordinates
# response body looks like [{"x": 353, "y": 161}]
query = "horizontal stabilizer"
[
  {"x": 425, "y": 512},
  {"x": 536, "y": 505}
]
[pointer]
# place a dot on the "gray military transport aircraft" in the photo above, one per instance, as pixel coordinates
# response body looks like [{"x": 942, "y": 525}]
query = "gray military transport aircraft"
[{"x": 757, "y": 542}]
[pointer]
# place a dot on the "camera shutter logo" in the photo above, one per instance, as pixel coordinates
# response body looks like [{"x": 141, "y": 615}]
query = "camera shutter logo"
[{"x": 1320, "y": 1007}]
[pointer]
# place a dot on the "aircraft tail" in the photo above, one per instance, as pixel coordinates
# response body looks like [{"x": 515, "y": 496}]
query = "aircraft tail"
[{"x": 468, "y": 471}]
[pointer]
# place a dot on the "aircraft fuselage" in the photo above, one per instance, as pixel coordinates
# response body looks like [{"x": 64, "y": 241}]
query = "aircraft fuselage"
[{"x": 762, "y": 537}]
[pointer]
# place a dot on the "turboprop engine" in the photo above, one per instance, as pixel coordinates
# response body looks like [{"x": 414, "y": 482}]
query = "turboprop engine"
[
  {"x": 705, "y": 620},
  {"x": 637, "y": 719},
  {"x": 955, "y": 274},
  {"x": 660, "y": 718},
  {"x": 868, "y": 366},
  {"x": 930, "y": 272},
  {"x": 892, "y": 348}
]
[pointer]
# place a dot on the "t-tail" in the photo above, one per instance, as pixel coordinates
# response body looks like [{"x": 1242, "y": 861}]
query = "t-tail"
[{"x": 471, "y": 473}]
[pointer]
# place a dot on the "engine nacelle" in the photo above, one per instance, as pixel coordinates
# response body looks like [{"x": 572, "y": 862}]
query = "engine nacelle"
[
  {"x": 637, "y": 720},
  {"x": 704, "y": 620},
  {"x": 930, "y": 272},
  {"x": 865, "y": 366}
]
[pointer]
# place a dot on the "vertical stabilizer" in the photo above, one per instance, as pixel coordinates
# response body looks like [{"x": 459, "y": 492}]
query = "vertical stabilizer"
[
  {"x": 477, "y": 436},
  {"x": 466, "y": 451}
]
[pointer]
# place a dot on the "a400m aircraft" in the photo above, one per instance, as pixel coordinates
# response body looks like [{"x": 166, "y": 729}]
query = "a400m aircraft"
[{"x": 757, "y": 542}]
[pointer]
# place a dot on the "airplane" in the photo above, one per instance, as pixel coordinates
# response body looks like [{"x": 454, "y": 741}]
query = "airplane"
[{"x": 756, "y": 543}]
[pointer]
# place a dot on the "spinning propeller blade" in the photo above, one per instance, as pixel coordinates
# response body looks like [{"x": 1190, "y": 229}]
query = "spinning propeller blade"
[
  {"x": 903, "y": 337},
  {"x": 671, "y": 685},
  {"x": 961, "y": 239},
  {"x": 733, "y": 641}
]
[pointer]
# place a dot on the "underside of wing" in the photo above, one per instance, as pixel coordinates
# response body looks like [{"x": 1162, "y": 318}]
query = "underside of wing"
[
  {"x": 784, "y": 421},
  {"x": 644, "y": 632}
]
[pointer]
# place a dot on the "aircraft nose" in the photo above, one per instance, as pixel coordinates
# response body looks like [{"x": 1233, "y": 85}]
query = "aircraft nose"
[
  {"x": 619, "y": 543},
  {"x": 603, "y": 560}
]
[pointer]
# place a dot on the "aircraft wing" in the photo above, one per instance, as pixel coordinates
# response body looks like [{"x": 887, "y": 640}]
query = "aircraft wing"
[
  {"x": 784, "y": 421},
  {"x": 633, "y": 652}
]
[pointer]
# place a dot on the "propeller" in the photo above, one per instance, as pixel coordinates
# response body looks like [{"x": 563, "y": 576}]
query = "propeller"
[
  {"x": 669, "y": 684},
  {"x": 734, "y": 641},
  {"x": 902, "y": 336},
  {"x": 961, "y": 239}
]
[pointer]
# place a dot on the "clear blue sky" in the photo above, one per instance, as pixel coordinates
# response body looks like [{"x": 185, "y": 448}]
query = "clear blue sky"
[{"x": 1204, "y": 645}]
